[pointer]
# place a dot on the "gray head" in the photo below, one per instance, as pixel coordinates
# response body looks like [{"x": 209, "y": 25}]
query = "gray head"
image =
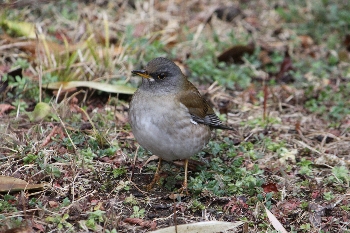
[{"x": 161, "y": 75}]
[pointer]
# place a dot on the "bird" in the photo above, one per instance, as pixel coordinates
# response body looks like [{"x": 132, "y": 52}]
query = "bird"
[{"x": 168, "y": 116}]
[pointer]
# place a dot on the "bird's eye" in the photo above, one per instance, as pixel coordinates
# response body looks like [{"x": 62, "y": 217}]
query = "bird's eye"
[{"x": 161, "y": 76}]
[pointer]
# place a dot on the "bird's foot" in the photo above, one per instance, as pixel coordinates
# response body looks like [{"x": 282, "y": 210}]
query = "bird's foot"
[
  {"x": 184, "y": 189},
  {"x": 184, "y": 186},
  {"x": 156, "y": 176},
  {"x": 155, "y": 180}
]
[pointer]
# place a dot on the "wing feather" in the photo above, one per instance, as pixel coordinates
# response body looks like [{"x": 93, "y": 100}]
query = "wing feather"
[{"x": 199, "y": 108}]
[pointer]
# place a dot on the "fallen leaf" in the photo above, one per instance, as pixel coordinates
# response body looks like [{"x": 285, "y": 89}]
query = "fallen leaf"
[
  {"x": 19, "y": 28},
  {"x": 11, "y": 184},
  {"x": 137, "y": 221},
  {"x": 203, "y": 227},
  {"x": 274, "y": 221},
  {"x": 5, "y": 107},
  {"x": 253, "y": 21},
  {"x": 332, "y": 160},
  {"x": 120, "y": 117},
  {"x": 19, "y": 230},
  {"x": 306, "y": 41},
  {"x": 62, "y": 36},
  {"x": 175, "y": 196},
  {"x": 286, "y": 65},
  {"x": 297, "y": 126},
  {"x": 316, "y": 212},
  {"x": 288, "y": 155},
  {"x": 38, "y": 226},
  {"x": 270, "y": 187},
  {"x": 235, "y": 53},
  {"x": 41, "y": 110},
  {"x": 56, "y": 130},
  {"x": 236, "y": 203},
  {"x": 287, "y": 206},
  {"x": 227, "y": 13},
  {"x": 53, "y": 204},
  {"x": 139, "y": 29},
  {"x": 111, "y": 88},
  {"x": 142, "y": 223},
  {"x": 56, "y": 185},
  {"x": 264, "y": 57}
]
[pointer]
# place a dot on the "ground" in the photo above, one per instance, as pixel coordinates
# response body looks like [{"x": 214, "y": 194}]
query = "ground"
[{"x": 276, "y": 71}]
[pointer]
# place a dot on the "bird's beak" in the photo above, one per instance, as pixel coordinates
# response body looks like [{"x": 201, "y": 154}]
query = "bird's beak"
[{"x": 142, "y": 73}]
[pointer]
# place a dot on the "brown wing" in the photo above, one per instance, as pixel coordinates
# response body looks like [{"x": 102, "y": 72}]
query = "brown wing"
[{"x": 198, "y": 107}]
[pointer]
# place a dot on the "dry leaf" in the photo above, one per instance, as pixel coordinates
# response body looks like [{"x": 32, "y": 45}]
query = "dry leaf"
[
  {"x": 264, "y": 57},
  {"x": 175, "y": 196},
  {"x": 270, "y": 187},
  {"x": 275, "y": 223},
  {"x": 235, "y": 53},
  {"x": 56, "y": 130},
  {"x": 316, "y": 212},
  {"x": 95, "y": 85},
  {"x": 203, "y": 227},
  {"x": 141, "y": 222},
  {"x": 287, "y": 65},
  {"x": 227, "y": 13},
  {"x": 5, "y": 107},
  {"x": 19, "y": 230},
  {"x": 19, "y": 28},
  {"x": 306, "y": 41},
  {"x": 53, "y": 204},
  {"x": 11, "y": 184}
]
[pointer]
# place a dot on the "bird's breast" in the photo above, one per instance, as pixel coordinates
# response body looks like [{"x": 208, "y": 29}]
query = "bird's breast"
[{"x": 164, "y": 126}]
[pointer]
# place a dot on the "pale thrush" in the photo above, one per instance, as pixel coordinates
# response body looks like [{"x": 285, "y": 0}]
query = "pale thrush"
[{"x": 168, "y": 115}]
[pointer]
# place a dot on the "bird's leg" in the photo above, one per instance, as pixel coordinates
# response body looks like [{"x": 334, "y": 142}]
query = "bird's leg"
[
  {"x": 184, "y": 186},
  {"x": 156, "y": 176},
  {"x": 185, "y": 180}
]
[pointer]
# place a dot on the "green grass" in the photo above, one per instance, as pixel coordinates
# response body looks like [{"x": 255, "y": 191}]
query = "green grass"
[{"x": 325, "y": 21}]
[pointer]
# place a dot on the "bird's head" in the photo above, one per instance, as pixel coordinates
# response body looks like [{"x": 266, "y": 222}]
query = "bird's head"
[{"x": 161, "y": 75}]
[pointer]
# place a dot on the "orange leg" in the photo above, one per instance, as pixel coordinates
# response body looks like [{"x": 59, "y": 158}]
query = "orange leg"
[
  {"x": 184, "y": 186},
  {"x": 156, "y": 176}
]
